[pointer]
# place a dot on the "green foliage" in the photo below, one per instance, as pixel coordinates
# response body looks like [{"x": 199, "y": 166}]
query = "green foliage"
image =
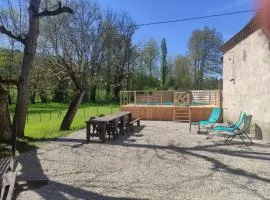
[
  {"x": 151, "y": 53},
  {"x": 145, "y": 82},
  {"x": 205, "y": 55},
  {"x": 163, "y": 67},
  {"x": 10, "y": 62}
]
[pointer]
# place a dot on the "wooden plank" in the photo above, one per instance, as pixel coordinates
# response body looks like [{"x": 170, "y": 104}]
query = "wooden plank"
[
  {"x": 166, "y": 113},
  {"x": 111, "y": 117}
]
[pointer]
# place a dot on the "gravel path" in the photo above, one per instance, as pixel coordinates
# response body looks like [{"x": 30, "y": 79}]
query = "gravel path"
[{"x": 161, "y": 160}]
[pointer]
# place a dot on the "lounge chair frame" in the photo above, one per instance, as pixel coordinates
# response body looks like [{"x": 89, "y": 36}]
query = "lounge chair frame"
[{"x": 241, "y": 132}]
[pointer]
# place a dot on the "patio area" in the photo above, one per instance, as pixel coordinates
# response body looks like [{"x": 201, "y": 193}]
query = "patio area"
[{"x": 160, "y": 160}]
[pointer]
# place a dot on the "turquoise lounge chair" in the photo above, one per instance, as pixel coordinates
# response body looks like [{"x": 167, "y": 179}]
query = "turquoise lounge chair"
[
  {"x": 240, "y": 132},
  {"x": 212, "y": 119},
  {"x": 235, "y": 130},
  {"x": 232, "y": 127}
]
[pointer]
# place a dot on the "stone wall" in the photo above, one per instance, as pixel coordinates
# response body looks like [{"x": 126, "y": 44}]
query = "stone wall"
[{"x": 246, "y": 85}]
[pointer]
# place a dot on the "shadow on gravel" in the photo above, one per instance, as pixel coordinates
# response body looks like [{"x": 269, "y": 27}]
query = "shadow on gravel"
[
  {"x": 217, "y": 165},
  {"x": 59, "y": 191},
  {"x": 32, "y": 170}
]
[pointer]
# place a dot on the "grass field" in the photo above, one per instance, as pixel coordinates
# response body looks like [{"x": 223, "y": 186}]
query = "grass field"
[{"x": 43, "y": 120}]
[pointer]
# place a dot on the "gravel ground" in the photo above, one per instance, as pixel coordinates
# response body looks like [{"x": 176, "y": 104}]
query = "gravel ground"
[{"x": 161, "y": 160}]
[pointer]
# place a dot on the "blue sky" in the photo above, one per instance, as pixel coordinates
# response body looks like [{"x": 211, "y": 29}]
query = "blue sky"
[{"x": 177, "y": 34}]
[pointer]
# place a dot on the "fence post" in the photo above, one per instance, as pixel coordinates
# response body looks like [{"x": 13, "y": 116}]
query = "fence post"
[{"x": 120, "y": 98}]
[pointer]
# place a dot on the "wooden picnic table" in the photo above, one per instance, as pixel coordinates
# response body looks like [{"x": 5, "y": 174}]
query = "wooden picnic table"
[{"x": 102, "y": 123}]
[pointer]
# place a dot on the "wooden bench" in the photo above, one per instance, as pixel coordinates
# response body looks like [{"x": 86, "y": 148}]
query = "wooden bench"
[
  {"x": 136, "y": 120},
  {"x": 7, "y": 178}
]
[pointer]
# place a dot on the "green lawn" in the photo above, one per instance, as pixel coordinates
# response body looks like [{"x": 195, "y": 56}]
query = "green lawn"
[{"x": 43, "y": 120}]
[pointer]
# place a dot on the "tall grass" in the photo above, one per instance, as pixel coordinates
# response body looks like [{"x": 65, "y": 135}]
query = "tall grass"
[{"x": 44, "y": 120}]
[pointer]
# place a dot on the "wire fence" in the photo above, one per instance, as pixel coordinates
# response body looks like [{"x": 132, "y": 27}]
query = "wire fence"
[{"x": 82, "y": 113}]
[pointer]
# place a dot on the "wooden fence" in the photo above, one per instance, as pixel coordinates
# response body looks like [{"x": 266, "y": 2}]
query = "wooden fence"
[
  {"x": 207, "y": 97},
  {"x": 210, "y": 97}
]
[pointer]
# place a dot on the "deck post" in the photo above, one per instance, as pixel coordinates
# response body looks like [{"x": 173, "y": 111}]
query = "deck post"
[
  {"x": 209, "y": 96},
  {"x": 135, "y": 98},
  {"x": 148, "y": 97},
  {"x": 161, "y": 93},
  {"x": 124, "y": 96}
]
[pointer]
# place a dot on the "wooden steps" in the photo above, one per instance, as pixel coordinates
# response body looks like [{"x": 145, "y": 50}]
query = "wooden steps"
[{"x": 181, "y": 114}]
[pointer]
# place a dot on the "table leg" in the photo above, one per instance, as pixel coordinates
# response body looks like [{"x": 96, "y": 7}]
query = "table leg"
[
  {"x": 88, "y": 132},
  {"x": 102, "y": 131},
  {"x": 130, "y": 117},
  {"x": 129, "y": 120},
  {"x": 122, "y": 126}
]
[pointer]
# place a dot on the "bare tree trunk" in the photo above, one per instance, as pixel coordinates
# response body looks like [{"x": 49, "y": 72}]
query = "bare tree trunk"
[
  {"x": 29, "y": 41},
  {"x": 108, "y": 91},
  {"x": 93, "y": 93},
  {"x": 33, "y": 98},
  {"x": 5, "y": 125},
  {"x": 43, "y": 96},
  {"x": 9, "y": 99},
  {"x": 72, "y": 110},
  {"x": 117, "y": 93},
  {"x": 26, "y": 69}
]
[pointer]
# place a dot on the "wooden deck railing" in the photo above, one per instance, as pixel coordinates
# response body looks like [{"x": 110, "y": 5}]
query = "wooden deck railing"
[{"x": 207, "y": 97}]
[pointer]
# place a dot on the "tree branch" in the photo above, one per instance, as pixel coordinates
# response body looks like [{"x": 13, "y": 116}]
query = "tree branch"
[
  {"x": 59, "y": 10},
  {"x": 18, "y": 38},
  {"x": 8, "y": 81}
]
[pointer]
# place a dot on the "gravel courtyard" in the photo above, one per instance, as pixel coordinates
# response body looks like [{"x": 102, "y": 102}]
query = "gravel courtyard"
[{"x": 160, "y": 160}]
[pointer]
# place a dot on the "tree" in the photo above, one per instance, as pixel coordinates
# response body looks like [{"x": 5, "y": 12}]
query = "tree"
[
  {"x": 183, "y": 72},
  {"x": 5, "y": 125},
  {"x": 76, "y": 51},
  {"x": 204, "y": 52},
  {"x": 151, "y": 55},
  {"x": 163, "y": 67},
  {"x": 119, "y": 51},
  {"x": 13, "y": 25}
]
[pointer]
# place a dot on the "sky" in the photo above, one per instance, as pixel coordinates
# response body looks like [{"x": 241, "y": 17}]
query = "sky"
[{"x": 177, "y": 34}]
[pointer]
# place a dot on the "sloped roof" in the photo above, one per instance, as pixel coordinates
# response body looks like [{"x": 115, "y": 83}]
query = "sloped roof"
[{"x": 250, "y": 28}]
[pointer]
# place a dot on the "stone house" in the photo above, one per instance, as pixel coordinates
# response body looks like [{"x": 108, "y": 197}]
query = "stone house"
[{"x": 246, "y": 81}]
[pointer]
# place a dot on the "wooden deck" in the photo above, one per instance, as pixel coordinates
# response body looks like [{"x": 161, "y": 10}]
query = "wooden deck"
[{"x": 166, "y": 112}]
